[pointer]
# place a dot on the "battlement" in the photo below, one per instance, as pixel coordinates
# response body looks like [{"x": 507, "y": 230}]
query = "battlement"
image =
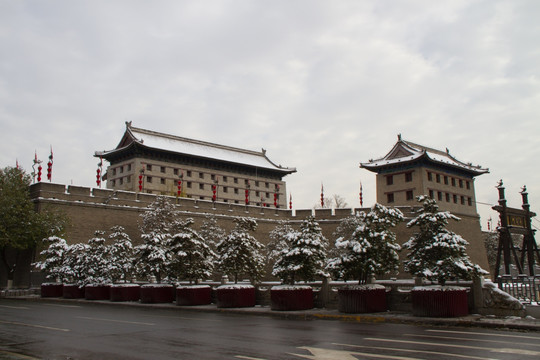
[{"x": 116, "y": 198}]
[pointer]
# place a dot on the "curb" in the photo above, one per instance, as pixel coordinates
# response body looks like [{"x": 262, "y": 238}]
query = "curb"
[{"x": 524, "y": 324}]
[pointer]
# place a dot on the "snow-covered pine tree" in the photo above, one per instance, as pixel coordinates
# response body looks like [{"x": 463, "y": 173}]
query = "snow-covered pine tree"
[
  {"x": 211, "y": 232},
  {"x": 435, "y": 252},
  {"x": 97, "y": 260},
  {"x": 279, "y": 240},
  {"x": 240, "y": 253},
  {"x": 305, "y": 256},
  {"x": 371, "y": 248},
  {"x": 54, "y": 256},
  {"x": 191, "y": 258},
  {"x": 121, "y": 255},
  {"x": 152, "y": 256},
  {"x": 75, "y": 266}
]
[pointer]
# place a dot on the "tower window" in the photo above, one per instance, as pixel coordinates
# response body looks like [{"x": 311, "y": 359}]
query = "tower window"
[
  {"x": 389, "y": 180},
  {"x": 408, "y": 177},
  {"x": 390, "y": 197},
  {"x": 410, "y": 195}
]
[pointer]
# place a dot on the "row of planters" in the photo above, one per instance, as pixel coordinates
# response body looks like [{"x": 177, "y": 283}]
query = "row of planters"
[{"x": 365, "y": 247}]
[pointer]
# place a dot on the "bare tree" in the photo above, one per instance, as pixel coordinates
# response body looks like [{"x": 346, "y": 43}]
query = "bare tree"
[{"x": 334, "y": 202}]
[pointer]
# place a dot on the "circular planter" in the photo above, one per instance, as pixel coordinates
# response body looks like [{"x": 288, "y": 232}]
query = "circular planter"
[
  {"x": 193, "y": 295},
  {"x": 97, "y": 292},
  {"x": 157, "y": 293},
  {"x": 439, "y": 301},
  {"x": 72, "y": 291},
  {"x": 362, "y": 299},
  {"x": 52, "y": 290},
  {"x": 290, "y": 297},
  {"x": 125, "y": 292},
  {"x": 233, "y": 296}
]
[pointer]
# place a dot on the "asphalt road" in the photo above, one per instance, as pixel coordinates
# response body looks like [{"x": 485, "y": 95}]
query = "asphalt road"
[{"x": 42, "y": 330}]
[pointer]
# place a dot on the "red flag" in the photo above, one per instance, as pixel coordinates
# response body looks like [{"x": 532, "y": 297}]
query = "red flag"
[
  {"x": 361, "y": 196},
  {"x": 49, "y": 166},
  {"x": 290, "y": 201}
]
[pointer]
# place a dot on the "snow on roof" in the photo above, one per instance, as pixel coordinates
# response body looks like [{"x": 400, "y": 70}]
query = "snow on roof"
[
  {"x": 406, "y": 151},
  {"x": 181, "y": 145}
]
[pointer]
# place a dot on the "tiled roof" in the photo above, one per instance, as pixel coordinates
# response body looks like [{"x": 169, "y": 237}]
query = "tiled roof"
[
  {"x": 180, "y": 145},
  {"x": 406, "y": 151}
]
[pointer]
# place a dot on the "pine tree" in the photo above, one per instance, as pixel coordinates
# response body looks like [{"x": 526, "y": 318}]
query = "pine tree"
[
  {"x": 305, "y": 256},
  {"x": 279, "y": 240},
  {"x": 240, "y": 252},
  {"x": 75, "y": 266},
  {"x": 121, "y": 255},
  {"x": 97, "y": 259},
  {"x": 152, "y": 256},
  {"x": 54, "y": 257},
  {"x": 211, "y": 232},
  {"x": 191, "y": 257},
  {"x": 435, "y": 252},
  {"x": 371, "y": 248}
]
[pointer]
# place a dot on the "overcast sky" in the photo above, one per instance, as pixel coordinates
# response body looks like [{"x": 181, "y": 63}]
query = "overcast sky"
[{"x": 321, "y": 85}]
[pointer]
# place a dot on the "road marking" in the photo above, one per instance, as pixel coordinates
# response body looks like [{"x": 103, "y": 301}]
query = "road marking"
[
  {"x": 15, "y": 307},
  {"x": 247, "y": 357},
  {"x": 33, "y": 325},
  {"x": 13, "y": 355},
  {"x": 330, "y": 354},
  {"x": 182, "y": 317},
  {"x": 501, "y": 350},
  {"x": 469, "y": 339},
  {"x": 67, "y": 306},
  {"x": 116, "y": 321},
  {"x": 485, "y": 334},
  {"x": 419, "y": 351}
]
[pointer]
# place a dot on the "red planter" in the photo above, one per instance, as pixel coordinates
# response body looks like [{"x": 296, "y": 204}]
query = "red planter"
[
  {"x": 97, "y": 292},
  {"x": 52, "y": 290},
  {"x": 157, "y": 293},
  {"x": 125, "y": 292},
  {"x": 72, "y": 291},
  {"x": 233, "y": 296},
  {"x": 439, "y": 301},
  {"x": 289, "y": 298},
  {"x": 362, "y": 299},
  {"x": 193, "y": 295}
]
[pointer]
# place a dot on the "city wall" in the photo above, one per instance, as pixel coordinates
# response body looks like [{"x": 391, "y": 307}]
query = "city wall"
[{"x": 91, "y": 209}]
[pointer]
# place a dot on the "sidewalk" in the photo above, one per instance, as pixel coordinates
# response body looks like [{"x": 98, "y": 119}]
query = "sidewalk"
[{"x": 516, "y": 323}]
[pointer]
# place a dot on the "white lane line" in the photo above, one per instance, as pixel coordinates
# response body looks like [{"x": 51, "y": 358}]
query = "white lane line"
[
  {"x": 14, "y": 307},
  {"x": 33, "y": 325},
  {"x": 67, "y": 306},
  {"x": 332, "y": 354},
  {"x": 485, "y": 334},
  {"x": 182, "y": 317},
  {"x": 116, "y": 321},
  {"x": 12, "y": 355},
  {"x": 418, "y": 351},
  {"x": 469, "y": 339},
  {"x": 501, "y": 350},
  {"x": 248, "y": 357}
]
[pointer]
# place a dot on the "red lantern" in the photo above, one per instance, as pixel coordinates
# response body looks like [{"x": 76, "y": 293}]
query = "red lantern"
[
  {"x": 98, "y": 177},
  {"x": 39, "y": 173},
  {"x": 49, "y": 170},
  {"x": 179, "y": 187},
  {"x": 214, "y": 191},
  {"x": 140, "y": 182}
]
